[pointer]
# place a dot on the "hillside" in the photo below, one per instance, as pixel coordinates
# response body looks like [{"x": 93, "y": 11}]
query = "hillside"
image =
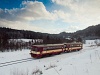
[{"x": 90, "y": 33}]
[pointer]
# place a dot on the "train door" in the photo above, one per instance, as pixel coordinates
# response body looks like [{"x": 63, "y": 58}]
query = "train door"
[
  {"x": 64, "y": 46},
  {"x": 40, "y": 49},
  {"x": 68, "y": 47}
]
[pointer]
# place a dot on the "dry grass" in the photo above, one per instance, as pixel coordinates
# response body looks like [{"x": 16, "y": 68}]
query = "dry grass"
[
  {"x": 37, "y": 72},
  {"x": 17, "y": 72},
  {"x": 51, "y": 66},
  {"x": 34, "y": 72}
]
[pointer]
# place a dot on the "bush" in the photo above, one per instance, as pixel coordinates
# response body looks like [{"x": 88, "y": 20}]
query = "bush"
[
  {"x": 51, "y": 66},
  {"x": 37, "y": 72}
]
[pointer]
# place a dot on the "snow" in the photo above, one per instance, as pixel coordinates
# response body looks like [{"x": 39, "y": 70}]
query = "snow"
[
  {"x": 84, "y": 62},
  {"x": 25, "y": 40},
  {"x": 92, "y": 42}
]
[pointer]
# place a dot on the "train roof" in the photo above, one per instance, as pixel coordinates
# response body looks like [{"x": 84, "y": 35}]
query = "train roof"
[
  {"x": 46, "y": 45},
  {"x": 74, "y": 43}
]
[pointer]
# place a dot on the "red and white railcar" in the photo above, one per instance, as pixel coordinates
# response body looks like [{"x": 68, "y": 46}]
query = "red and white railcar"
[{"x": 38, "y": 51}]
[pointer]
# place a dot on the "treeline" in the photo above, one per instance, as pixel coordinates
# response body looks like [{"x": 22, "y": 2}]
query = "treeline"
[
  {"x": 6, "y": 34},
  {"x": 91, "y": 32}
]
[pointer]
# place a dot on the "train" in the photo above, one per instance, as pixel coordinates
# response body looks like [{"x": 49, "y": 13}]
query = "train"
[{"x": 39, "y": 51}]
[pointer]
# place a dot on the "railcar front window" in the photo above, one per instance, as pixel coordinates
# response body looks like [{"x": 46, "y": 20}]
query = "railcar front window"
[{"x": 34, "y": 49}]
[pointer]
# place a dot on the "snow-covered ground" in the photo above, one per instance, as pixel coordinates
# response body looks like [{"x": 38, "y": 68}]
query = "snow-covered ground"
[{"x": 84, "y": 62}]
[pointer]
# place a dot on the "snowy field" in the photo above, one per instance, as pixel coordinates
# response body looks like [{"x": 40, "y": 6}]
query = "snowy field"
[{"x": 84, "y": 62}]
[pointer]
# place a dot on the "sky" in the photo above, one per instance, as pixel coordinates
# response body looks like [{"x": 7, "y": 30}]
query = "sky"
[{"x": 49, "y": 16}]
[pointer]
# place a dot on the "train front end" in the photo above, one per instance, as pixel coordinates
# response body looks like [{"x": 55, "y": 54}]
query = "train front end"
[{"x": 35, "y": 52}]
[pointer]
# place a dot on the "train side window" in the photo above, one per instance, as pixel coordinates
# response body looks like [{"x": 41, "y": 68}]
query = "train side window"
[
  {"x": 34, "y": 49},
  {"x": 68, "y": 46},
  {"x": 64, "y": 45},
  {"x": 45, "y": 48},
  {"x": 72, "y": 45}
]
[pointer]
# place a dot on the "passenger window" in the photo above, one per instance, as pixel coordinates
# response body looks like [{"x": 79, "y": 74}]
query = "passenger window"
[
  {"x": 44, "y": 48},
  {"x": 64, "y": 46}
]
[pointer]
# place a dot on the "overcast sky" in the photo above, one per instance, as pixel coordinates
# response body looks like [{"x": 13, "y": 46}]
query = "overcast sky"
[{"x": 49, "y": 16}]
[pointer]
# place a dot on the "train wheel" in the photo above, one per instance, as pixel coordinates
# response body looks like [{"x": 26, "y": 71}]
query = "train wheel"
[
  {"x": 40, "y": 56},
  {"x": 78, "y": 50},
  {"x": 47, "y": 55},
  {"x": 68, "y": 51},
  {"x": 65, "y": 51},
  {"x": 59, "y": 53}
]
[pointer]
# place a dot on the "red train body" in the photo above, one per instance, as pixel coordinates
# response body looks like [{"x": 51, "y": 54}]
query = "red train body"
[{"x": 38, "y": 51}]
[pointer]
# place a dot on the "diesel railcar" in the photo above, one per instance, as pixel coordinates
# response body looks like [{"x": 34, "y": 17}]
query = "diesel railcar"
[{"x": 38, "y": 51}]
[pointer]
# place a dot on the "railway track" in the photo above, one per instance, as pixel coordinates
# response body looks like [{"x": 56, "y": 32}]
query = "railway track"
[{"x": 15, "y": 62}]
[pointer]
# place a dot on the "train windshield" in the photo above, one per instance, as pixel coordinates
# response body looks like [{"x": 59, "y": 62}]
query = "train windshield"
[{"x": 34, "y": 49}]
